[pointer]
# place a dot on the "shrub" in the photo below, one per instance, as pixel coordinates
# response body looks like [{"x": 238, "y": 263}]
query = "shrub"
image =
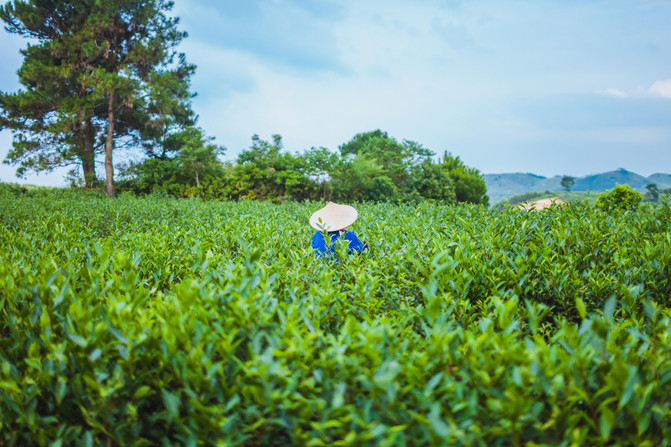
[{"x": 621, "y": 197}]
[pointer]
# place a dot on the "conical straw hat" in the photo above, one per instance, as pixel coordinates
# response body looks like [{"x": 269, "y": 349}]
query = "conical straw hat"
[{"x": 333, "y": 217}]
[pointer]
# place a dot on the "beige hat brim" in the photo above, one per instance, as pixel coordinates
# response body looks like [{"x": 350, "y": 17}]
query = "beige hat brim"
[{"x": 333, "y": 217}]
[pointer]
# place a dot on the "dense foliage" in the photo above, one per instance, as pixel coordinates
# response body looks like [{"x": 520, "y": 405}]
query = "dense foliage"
[
  {"x": 567, "y": 182},
  {"x": 621, "y": 197},
  {"x": 156, "y": 321},
  {"x": 371, "y": 167}
]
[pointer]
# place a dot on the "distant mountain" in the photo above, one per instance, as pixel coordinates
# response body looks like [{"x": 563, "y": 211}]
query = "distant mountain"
[
  {"x": 609, "y": 180},
  {"x": 502, "y": 186},
  {"x": 661, "y": 180}
]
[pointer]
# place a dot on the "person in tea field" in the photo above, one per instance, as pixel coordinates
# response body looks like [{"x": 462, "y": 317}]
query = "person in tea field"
[{"x": 334, "y": 219}]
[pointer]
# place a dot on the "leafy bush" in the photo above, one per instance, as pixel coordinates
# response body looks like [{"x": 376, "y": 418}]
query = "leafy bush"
[
  {"x": 156, "y": 321},
  {"x": 431, "y": 181},
  {"x": 469, "y": 183},
  {"x": 621, "y": 197}
]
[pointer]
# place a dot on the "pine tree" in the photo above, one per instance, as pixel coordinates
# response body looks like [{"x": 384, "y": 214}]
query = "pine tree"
[{"x": 98, "y": 72}]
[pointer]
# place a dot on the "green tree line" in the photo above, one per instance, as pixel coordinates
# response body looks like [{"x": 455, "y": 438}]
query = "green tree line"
[{"x": 371, "y": 166}]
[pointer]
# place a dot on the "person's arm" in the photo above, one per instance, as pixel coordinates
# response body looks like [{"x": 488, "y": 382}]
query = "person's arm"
[
  {"x": 319, "y": 244},
  {"x": 355, "y": 243}
]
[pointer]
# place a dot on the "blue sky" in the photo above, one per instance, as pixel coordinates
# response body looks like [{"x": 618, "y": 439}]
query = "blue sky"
[{"x": 551, "y": 87}]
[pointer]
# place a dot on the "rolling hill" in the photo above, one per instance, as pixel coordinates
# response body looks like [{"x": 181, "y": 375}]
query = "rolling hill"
[{"x": 502, "y": 186}]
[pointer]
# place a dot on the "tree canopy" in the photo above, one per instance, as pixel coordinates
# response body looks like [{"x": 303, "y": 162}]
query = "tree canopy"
[
  {"x": 567, "y": 182},
  {"x": 98, "y": 72},
  {"x": 469, "y": 184}
]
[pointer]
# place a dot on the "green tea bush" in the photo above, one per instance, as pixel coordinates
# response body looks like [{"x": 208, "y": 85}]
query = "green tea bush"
[
  {"x": 622, "y": 197},
  {"x": 156, "y": 321}
]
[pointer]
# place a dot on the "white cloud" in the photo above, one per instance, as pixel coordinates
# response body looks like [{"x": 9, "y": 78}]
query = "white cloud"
[
  {"x": 614, "y": 92},
  {"x": 658, "y": 89},
  {"x": 661, "y": 88}
]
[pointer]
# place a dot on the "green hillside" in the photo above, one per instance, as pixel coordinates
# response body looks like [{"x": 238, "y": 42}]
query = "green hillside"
[
  {"x": 661, "y": 180},
  {"x": 504, "y": 186},
  {"x": 609, "y": 180},
  {"x": 501, "y": 186}
]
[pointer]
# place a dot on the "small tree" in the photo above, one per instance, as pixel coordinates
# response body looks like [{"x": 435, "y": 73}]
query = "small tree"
[
  {"x": 567, "y": 182},
  {"x": 621, "y": 197},
  {"x": 396, "y": 160},
  {"x": 198, "y": 157},
  {"x": 432, "y": 182},
  {"x": 353, "y": 178},
  {"x": 469, "y": 184},
  {"x": 653, "y": 192},
  {"x": 265, "y": 172},
  {"x": 321, "y": 161}
]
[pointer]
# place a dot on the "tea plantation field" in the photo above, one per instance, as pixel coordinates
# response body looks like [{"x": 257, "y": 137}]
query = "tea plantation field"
[{"x": 154, "y": 321}]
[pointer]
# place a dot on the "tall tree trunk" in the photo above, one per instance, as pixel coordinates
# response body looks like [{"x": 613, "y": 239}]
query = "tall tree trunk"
[
  {"x": 109, "y": 145},
  {"x": 87, "y": 154},
  {"x": 88, "y": 164}
]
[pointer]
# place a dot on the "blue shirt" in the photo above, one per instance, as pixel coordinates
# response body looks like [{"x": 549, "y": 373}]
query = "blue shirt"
[{"x": 322, "y": 249}]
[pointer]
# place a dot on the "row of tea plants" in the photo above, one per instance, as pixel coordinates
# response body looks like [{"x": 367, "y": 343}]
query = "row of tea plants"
[{"x": 157, "y": 321}]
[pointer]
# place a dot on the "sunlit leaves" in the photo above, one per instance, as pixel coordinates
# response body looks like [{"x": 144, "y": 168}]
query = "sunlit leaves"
[{"x": 150, "y": 321}]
